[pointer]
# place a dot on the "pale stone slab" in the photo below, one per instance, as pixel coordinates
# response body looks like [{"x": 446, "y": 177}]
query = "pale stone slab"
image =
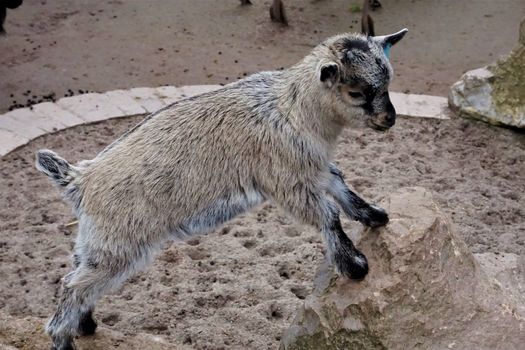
[
  {"x": 47, "y": 123},
  {"x": 90, "y": 107},
  {"x": 147, "y": 98},
  {"x": 400, "y": 102},
  {"x": 22, "y": 125},
  {"x": 169, "y": 94},
  {"x": 10, "y": 141},
  {"x": 426, "y": 106},
  {"x": 421, "y": 106},
  {"x": 192, "y": 90},
  {"x": 125, "y": 102},
  {"x": 23, "y": 122},
  {"x": 52, "y": 110}
]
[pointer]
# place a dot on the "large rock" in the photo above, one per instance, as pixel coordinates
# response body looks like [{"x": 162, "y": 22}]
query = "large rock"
[
  {"x": 495, "y": 94},
  {"x": 425, "y": 290}
]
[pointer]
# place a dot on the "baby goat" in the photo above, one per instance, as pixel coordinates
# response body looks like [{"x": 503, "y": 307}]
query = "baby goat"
[{"x": 201, "y": 161}]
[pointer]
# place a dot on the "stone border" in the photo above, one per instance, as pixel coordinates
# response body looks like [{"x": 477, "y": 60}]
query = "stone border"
[{"x": 20, "y": 126}]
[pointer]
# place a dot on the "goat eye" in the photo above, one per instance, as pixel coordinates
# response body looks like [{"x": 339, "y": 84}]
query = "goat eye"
[{"x": 355, "y": 94}]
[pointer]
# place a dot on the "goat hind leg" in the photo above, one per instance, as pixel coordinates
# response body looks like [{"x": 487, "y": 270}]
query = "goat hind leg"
[
  {"x": 87, "y": 325},
  {"x": 82, "y": 288}
]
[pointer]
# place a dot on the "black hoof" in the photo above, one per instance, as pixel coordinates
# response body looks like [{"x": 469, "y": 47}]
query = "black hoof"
[
  {"x": 374, "y": 217},
  {"x": 352, "y": 265},
  {"x": 87, "y": 325}
]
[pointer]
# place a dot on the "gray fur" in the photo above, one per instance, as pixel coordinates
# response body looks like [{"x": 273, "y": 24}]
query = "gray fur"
[
  {"x": 200, "y": 162},
  {"x": 353, "y": 206}
]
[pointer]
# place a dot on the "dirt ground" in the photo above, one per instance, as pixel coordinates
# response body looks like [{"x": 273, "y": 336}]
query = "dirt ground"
[
  {"x": 61, "y": 47},
  {"x": 238, "y": 288}
]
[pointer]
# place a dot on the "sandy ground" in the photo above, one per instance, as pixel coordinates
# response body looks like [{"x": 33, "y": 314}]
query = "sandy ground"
[
  {"x": 56, "y": 48},
  {"x": 237, "y": 288}
]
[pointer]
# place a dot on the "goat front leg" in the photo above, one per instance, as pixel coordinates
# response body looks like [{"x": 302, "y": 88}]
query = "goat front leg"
[
  {"x": 310, "y": 205},
  {"x": 354, "y": 206}
]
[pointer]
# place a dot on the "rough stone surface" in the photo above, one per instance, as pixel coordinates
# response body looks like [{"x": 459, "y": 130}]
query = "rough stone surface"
[
  {"x": 28, "y": 334},
  {"x": 425, "y": 290},
  {"x": 495, "y": 94}
]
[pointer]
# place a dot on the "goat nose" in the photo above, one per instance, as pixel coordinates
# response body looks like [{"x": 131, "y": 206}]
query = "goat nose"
[
  {"x": 390, "y": 117},
  {"x": 390, "y": 122}
]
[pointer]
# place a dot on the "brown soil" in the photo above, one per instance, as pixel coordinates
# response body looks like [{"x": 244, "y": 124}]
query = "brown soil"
[
  {"x": 61, "y": 45},
  {"x": 238, "y": 288}
]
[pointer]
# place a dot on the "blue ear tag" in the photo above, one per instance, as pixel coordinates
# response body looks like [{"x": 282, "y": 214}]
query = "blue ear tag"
[{"x": 386, "y": 49}]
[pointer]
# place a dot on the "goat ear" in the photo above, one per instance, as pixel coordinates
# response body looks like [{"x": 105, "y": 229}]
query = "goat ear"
[
  {"x": 329, "y": 73},
  {"x": 387, "y": 41}
]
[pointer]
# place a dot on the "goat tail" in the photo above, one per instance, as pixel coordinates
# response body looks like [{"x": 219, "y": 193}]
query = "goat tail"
[{"x": 56, "y": 167}]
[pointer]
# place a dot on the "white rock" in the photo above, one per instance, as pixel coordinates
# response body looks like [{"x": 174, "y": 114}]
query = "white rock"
[{"x": 494, "y": 94}]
